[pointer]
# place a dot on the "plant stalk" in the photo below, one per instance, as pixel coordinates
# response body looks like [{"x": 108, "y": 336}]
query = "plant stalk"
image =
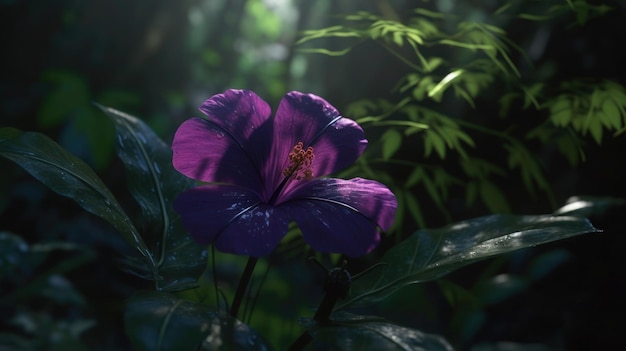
[{"x": 243, "y": 285}]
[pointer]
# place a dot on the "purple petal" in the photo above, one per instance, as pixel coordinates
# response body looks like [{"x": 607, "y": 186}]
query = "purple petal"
[
  {"x": 203, "y": 151},
  {"x": 342, "y": 216},
  {"x": 240, "y": 112},
  {"x": 231, "y": 217},
  {"x": 231, "y": 146},
  {"x": 337, "y": 142}
]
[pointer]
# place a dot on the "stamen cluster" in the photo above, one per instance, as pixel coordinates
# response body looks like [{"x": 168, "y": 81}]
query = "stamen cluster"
[{"x": 300, "y": 163}]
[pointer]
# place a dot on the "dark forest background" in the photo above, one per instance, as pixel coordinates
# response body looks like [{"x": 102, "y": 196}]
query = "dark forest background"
[{"x": 160, "y": 59}]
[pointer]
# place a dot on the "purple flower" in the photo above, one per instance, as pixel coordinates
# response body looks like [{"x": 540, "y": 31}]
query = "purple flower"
[{"x": 265, "y": 172}]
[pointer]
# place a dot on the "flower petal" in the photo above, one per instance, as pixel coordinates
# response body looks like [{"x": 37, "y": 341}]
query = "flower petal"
[
  {"x": 231, "y": 217},
  {"x": 240, "y": 112},
  {"x": 342, "y": 216},
  {"x": 307, "y": 118},
  {"x": 202, "y": 150}
]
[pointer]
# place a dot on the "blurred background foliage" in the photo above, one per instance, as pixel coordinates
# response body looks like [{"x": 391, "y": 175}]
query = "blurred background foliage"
[{"x": 471, "y": 107}]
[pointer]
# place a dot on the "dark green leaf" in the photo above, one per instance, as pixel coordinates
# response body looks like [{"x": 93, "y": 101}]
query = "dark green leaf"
[
  {"x": 500, "y": 288},
  {"x": 160, "y": 321},
  {"x": 97, "y": 132},
  {"x": 33, "y": 276},
  {"x": 546, "y": 263},
  {"x": 69, "y": 176},
  {"x": 431, "y": 253},
  {"x": 351, "y": 332},
  {"x": 493, "y": 198},
  {"x": 154, "y": 183},
  {"x": 511, "y": 346},
  {"x": 561, "y": 112},
  {"x": 433, "y": 140},
  {"x": 392, "y": 139},
  {"x": 69, "y": 94}
]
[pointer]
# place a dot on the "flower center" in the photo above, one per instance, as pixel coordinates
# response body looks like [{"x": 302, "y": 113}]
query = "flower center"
[{"x": 300, "y": 163}]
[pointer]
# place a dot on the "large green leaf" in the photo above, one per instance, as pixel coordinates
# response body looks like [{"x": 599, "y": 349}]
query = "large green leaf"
[
  {"x": 154, "y": 182},
  {"x": 160, "y": 321},
  {"x": 431, "y": 253},
  {"x": 69, "y": 176},
  {"x": 349, "y": 332}
]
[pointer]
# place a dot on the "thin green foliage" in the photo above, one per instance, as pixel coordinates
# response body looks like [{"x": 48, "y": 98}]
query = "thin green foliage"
[{"x": 453, "y": 61}]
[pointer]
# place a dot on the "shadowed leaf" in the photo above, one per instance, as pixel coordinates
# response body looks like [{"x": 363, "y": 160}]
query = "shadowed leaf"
[
  {"x": 431, "y": 253},
  {"x": 154, "y": 183},
  {"x": 159, "y": 321},
  {"x": 352, "y": 332},
  {"x": 69, "y": 176}
]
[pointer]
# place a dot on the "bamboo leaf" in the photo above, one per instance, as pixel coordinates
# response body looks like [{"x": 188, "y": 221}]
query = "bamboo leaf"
[
  {"x": 392, "y": 140},
  {"x": 438, "y": 89}
]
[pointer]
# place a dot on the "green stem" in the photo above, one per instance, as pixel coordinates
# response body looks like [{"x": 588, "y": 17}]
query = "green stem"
[{"x": 243, "y": 286}]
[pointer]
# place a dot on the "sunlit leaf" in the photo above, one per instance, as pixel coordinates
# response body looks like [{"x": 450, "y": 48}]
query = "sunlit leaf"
[
  {"x": 325, "y": 51},
  {"x": 397, "y": 38},
  {"x": 561, "y": 112},
  {"x": 423, "y": 87},
  {"x": 595, "y": 128},
  {"x": 333, "y": 31},
  {"x": 433, "y": 63},
  {"x": 160, "y": 321},
  {"x": 69, "y": 176},
  {"x": 392, "y": 139},
  {"x": 612, "y": 112},
  {"x": 431, "y": 253},
  {"x": 154, "y": 183},
  {"x": 349, "y": 332},
  {"x": 438, "y": 89},
  {"x": 432, "y": 140}
]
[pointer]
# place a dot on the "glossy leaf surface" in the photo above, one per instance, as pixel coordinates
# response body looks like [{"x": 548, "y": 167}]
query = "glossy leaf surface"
[
  {"x": 352, "y": 332},
  {"x": 431, "y": 253},
  {"x": 69, "y": 176},
  {"x": 159, "y": 321},
  {"x": 154, "y": 183}
]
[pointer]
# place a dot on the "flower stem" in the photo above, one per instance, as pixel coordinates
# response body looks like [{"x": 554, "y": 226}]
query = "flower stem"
[{"x": 243, "y": 285}]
